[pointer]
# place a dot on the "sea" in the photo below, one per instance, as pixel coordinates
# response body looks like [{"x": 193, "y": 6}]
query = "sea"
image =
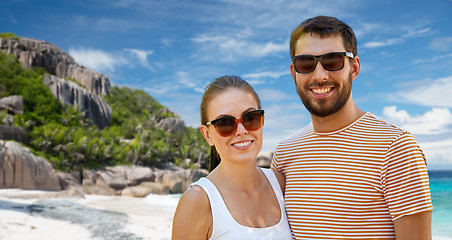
[{"x": 441, "y": 191}]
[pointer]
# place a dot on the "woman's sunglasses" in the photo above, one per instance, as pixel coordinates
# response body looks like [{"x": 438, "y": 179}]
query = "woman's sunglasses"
[
  {"x": 333, "y": 61},
  {"x": 227, "y": 125}
]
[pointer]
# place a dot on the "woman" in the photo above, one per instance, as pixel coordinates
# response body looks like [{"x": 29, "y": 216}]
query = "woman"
[{"x": 237, "y": 200}]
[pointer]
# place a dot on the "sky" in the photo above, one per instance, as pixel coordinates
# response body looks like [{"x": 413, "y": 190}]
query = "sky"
[{"x": 172, "y": 49}]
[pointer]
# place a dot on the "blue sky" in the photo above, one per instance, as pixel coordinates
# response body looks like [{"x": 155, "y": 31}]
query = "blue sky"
[{"x": 173, "y": 48}]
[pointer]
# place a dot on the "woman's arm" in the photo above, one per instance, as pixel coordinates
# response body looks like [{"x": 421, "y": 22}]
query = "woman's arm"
[{"x": 193, "y": 217}]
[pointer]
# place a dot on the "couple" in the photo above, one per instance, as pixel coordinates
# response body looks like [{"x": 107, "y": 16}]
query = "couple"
[{"x": 347, "y": 175}]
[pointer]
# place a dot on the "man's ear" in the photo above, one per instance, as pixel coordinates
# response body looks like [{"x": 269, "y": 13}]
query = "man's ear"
[
  {"x": 355, "y": 68},
  {"x": 293, "y": 73},
  {"x": 206, "y": 134}
]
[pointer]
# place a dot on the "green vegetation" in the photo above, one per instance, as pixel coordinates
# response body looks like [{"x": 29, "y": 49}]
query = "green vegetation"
[
  {"x": 67, "y": 140},
  {"x": 9, "y": 35},
  {"x": 40, "y": 106}
]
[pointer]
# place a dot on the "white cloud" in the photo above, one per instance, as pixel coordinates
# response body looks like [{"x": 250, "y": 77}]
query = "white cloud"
[
  {"x": 102, "y": 61},
  {"x": 105, "y": 24},
  {"x": 166, "y": 42},
  {"x": 362, "y": 29},
  {"x": 435, "y": 94},
  {"x": 265, "y": 49},
  {"x": 410, "y": 33},
  {"x": 97, "y": 60},
  {"x": 432, "y": 59},
  {"x": 259, "y": 75},
  {"x": 441, "y": 44},
  {"x": 232, "y": 48},
  {"x": 157, "y": 90},
  {"x": 142, "y": 56},
  {"x": 375, "y": 44},
  {"x": 274, "y": 95},
  {"x": 183, "y": 77},
  {"x": 433, "y": 122},
  {"x": 413, "y": 32},
  {"x": 437, "y": 152}
]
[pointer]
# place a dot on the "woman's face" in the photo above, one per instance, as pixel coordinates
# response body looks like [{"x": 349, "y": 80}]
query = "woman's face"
[{"x": 242, "y": 146}]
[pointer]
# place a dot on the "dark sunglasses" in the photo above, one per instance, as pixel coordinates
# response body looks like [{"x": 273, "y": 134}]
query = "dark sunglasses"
[
  {"x": 227, "y": 125},
  {"x": 333, "y": 61}
]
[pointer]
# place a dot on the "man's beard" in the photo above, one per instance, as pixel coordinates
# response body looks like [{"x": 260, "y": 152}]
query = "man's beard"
[{"x": 320, "y": 107}]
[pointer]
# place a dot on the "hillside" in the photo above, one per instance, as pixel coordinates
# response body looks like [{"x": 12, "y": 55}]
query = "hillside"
[{"x": 74, "y": 119}]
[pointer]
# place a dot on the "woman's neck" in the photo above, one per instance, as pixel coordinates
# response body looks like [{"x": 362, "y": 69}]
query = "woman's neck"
[{"x": 243, "y": 177}]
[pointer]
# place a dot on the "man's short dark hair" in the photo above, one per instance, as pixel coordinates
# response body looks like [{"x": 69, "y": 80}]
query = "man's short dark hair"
[{"x": 325, "y": 26}]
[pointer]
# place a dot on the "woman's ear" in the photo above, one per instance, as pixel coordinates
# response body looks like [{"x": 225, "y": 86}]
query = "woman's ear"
[{"x": 206, "y": 134}]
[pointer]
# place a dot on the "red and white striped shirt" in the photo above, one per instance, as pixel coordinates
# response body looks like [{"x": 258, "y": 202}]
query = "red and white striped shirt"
[{"x": 352, "y": 183}]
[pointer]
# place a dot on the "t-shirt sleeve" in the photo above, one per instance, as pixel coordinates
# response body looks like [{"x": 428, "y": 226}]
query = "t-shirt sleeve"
[{"x": 405, "y": 179}]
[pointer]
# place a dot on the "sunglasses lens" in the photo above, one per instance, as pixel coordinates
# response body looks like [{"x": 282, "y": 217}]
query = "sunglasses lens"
[
  {"x": 333, "y": 61},
  {"x": 225, "y": 126},
  {"x": 252, "y": 120},
  {"x": 304, "y": 64}
]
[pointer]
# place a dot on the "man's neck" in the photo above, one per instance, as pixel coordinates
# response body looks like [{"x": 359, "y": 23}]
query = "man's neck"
[{"x": 342, "y": 118}]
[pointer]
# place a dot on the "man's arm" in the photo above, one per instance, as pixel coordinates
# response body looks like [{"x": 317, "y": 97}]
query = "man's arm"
[{"x": 413, "y": 227}]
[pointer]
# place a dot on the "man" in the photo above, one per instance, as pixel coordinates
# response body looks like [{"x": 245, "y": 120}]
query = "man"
[{"x": 349, "y": 174}]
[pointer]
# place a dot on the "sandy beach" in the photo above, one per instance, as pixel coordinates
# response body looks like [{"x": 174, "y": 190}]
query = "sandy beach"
[{"x": 30, "y": 215}]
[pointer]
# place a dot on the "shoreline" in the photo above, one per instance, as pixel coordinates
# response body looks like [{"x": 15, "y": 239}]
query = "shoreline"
[{"x": 29, "y": 214}]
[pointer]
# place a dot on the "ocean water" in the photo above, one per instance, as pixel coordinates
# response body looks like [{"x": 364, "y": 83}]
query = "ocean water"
[{"x": 441, "y": 191}]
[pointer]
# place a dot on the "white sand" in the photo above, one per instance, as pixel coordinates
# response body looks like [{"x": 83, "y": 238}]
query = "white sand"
[{"x": 149, "y": 218}]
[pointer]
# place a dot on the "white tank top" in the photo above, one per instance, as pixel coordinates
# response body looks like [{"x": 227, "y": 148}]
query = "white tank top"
[{"x": 226, "y": 228}]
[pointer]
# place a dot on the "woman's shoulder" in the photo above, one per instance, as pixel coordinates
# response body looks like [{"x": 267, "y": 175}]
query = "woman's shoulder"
[
  {"x": 193, "y": 217},
  {"x": 195, "y": 196}
]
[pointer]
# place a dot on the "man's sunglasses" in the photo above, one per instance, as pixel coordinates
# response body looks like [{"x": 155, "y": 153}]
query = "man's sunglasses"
[
  {"x": 227, "y": 125},
  {"x": 333, "y": 61}
]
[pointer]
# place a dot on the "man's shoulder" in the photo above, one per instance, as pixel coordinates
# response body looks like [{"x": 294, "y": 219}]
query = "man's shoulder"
[{"x": 378, "y": 124}]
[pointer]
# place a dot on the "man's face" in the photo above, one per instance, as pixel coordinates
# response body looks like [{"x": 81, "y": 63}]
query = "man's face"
[{"x": 323, "y": 92}]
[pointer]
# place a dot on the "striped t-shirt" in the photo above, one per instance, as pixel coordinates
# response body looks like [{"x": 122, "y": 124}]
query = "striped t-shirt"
[{"x": 352, "y": 183}]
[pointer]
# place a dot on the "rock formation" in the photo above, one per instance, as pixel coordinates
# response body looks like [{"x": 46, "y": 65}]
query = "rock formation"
[
  {"x": 13, "y": 133},
  {"x": 264, "y": 159},
  {"x": 179, "y": 181},
  {"x": 37, "y": 53},
  {"x": 19, "y": 168},
  {"x": 171, "y": 125},
  {"x": 92, "y": 106},
  {"x": 13, "y": 104}
]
